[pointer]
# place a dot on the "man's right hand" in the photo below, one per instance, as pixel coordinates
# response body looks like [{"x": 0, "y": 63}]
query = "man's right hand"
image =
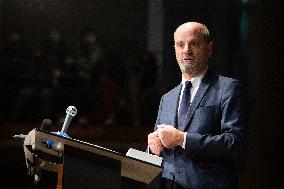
[{"x": 155, "y": 143}]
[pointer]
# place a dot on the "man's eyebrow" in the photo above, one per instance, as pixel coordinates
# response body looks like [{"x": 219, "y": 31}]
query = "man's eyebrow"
[{"x": 176, "y": 42}]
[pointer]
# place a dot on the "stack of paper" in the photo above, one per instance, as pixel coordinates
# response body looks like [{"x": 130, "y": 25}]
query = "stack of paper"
[{"x": 150, "y": 158}]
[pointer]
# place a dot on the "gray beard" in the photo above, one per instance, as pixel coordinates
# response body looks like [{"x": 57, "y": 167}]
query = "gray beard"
[{"x": 187, "y": 68}]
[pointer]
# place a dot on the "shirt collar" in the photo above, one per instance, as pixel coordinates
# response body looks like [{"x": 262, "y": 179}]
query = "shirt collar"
[{"x": 197, "y": 79}]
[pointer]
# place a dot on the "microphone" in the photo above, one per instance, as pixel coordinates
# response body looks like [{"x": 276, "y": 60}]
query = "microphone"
[
  {"x": 71, "y": 111},
  {"x": 20, "y": 137},
  {"x": 45, "y": 126}
]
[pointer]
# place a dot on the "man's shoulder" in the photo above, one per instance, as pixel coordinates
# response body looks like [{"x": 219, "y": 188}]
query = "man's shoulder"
[
  {"x": 227, "y": 79},
  {"x": 221, "y": 79},
  {"x": 226, "y": 84},
  {"x": 173, "y": 91}
]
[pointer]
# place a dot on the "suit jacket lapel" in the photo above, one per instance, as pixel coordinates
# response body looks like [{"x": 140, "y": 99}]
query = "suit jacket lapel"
[
  {"x": 175, "y": 97},
  {"x": 204, "y": 85}
]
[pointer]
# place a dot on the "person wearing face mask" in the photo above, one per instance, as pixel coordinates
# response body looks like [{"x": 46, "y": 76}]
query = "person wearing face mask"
[{"x": 201, "y": 127}]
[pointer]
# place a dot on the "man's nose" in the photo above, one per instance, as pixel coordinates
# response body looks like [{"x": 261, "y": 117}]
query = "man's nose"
[{"x": 187, "y": 49}]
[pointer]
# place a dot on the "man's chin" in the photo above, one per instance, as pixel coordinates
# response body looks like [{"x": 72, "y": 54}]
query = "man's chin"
[{"x": 187, "y": 68}]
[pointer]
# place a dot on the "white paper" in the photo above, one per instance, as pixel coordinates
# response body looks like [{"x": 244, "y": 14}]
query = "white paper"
[{"x": 150, "y": 158}]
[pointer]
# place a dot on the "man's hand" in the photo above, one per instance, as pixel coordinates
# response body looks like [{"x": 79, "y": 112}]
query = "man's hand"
[
  {"x": 170, "y": 136},
  {"x": 155, "y": 143}
]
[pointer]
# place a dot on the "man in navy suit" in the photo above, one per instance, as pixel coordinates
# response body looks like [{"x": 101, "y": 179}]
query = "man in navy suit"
[{"x": 201, "y": 126}]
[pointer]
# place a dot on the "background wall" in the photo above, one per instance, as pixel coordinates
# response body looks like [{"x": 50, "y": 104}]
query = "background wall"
[{"x": 114, "y": 21}]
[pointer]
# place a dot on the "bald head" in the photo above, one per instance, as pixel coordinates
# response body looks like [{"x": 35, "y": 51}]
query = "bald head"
[
  {"x": 194, "y": 27},
  {"x": 193, "y": 48}
]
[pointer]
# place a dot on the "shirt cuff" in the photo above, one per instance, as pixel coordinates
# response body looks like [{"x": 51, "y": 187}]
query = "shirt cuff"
[{"x": 184, "y": 140}]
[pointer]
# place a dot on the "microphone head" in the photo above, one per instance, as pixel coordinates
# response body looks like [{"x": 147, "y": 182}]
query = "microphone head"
[
  {"x": 71, "y": 110},
  {"x": 46, "y": 125}
]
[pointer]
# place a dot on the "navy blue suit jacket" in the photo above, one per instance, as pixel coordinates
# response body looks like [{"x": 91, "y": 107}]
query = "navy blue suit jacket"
[{"x": 216, "y": 134}]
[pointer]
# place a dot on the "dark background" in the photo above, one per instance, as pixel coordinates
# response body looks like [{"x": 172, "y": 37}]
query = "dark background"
[{"x": 116, "y": 94}]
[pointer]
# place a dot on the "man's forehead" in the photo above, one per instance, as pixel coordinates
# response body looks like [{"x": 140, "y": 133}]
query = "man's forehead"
[
  {"x": 183, "y": 34},
  {"x": 190, "y": 28}
]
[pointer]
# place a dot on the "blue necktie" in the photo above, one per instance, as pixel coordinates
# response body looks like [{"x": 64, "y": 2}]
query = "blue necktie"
[{"x": 184, "y": 104}]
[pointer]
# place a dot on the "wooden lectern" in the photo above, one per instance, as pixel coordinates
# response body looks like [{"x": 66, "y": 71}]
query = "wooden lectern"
[{"x": 80, "y": 164}]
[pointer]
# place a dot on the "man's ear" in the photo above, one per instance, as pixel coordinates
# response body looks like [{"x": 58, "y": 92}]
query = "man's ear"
[{"x": 210, "y": 49}]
